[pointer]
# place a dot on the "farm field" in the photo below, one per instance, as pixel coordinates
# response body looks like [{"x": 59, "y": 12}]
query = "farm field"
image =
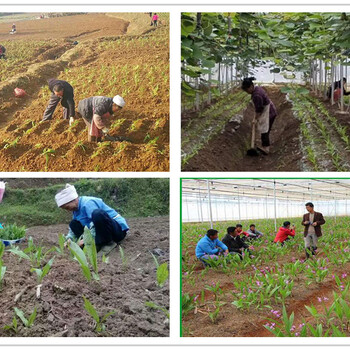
[
  {"x": 248, "y": 298},
  {"x": 122, "y": 288},
  {"x": 51, "y": 287},
  {"x": 316, "y": 137},
  {"x": 106, "y": 61},
  {"x": 296, "y": 61}
]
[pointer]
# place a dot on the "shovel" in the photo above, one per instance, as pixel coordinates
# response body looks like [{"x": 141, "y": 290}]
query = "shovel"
[{"x": 253, "y": 151}]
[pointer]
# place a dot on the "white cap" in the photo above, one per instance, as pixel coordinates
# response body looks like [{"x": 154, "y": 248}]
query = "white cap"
[
  {"x": 67, "y": 195},
  {"x": 119, "y": 101}
]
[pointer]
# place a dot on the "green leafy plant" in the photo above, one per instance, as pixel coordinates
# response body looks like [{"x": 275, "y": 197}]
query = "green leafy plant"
[
  {"x": 47, "y": 153},
  {"x": 100, "y": 321},
  {"x": 124, "y": 258},
  {"x": 26, "y": 322},
  {"x": 80, "y": 256},
  {"x": 41, "y": 273},
  {"x": 2, "y": 272},
  {"x": 91, "y": 252},
  {"x": 154, "y": 306},
  {"x": 162, "y": 272},
  {"x": 13, "y": 326},
  {"x": 12, "y": 232}
]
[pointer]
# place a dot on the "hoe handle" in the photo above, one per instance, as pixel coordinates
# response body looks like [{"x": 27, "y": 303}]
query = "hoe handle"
[{"x": 252, "y": 143}]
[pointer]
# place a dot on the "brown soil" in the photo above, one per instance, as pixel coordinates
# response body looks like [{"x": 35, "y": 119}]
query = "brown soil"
[
  {"x": 76, "y": 27},
  {"x": 233, "y": 322},
  {"x": 227, "y": 151},
  {"x": 61, "y": 308},
  {"x": 137, "y": 154}
]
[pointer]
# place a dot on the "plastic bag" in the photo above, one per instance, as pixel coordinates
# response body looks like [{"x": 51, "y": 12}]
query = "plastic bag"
[{"x": 19, "y": 92}]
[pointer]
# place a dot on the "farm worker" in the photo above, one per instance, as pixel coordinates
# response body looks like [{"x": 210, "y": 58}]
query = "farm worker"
[
  {"x": 61, "y": 92},
  {"x": 13, "y": 30},
  {"x": 209, "y": 247},
  {"x": 253, "y": 233},
  {"x": 265, "y": 112},
  {"x": 284, "y": 233},
  {"x": 104, "y": 223},
  {"x": 96, "y": 111},
  {"x": 234, "y": 242},
  {"x": 337, "y": 90},
  {"x": 312, "y": 222},
  {"x": 240, "y": 231},
  {"x": 2, "y": 52},
  {"x": 155, "y": 20}
]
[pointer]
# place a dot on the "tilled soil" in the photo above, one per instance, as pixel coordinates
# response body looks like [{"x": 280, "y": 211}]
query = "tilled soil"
[
  {"x": 145, "y": 119},
  {"x": 124, "y": 289},
  {"x": 77, "y": 27},
  {"x": 233, "y": 322},
  {"x": 227, "y": 151}
]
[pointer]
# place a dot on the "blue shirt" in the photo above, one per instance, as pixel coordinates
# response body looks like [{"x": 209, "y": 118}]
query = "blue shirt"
[
  {"x": 207, "y": 246},
  {"x": 85, "y": 209}
]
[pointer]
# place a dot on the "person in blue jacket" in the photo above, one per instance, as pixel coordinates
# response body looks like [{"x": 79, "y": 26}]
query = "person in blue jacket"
[
  {"x": 104, "y": 223},
  {"x": 210, "y": 246}
]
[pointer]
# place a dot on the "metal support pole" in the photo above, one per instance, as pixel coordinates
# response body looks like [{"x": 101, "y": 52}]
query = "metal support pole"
[
  {"x": 209, "y": 202},
  {"x": 239, "y": 206},
  {"x": 275, "y": 204},
  {"x": 200, "y": 204}
]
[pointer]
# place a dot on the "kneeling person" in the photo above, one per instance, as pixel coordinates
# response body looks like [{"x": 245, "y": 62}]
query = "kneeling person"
[
  {"x": 104, "y": 223},
  {"x": 234, "y": 242}
]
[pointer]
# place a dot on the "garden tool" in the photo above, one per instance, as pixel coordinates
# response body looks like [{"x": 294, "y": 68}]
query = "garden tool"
[{"x": 253, "y": 151}]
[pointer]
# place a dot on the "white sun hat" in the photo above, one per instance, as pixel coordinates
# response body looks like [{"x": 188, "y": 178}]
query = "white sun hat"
[
  {"x": 119, "y": 101},
  {"x": 67, "y": 195}
]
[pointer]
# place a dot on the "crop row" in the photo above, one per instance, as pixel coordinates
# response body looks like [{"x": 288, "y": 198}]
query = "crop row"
[
  {"x": 323, "y": 136},
  {"x": 200, "y": 130}
]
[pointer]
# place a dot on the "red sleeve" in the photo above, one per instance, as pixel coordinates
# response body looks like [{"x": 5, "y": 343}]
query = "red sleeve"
[
  {"x": 292, "y": 233},
  {"x": 245, "y": 233}
]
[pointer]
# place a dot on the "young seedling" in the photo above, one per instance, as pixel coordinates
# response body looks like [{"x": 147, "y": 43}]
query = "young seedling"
[
  {"x": 100, "y": 322},
  {"x": 124, "y": 258},
  {"x": 47, "y": 152},
  {"x": 61, "y": 242},
  {"x": 2, "y": 273},
  {"x": 105, "y": 259},
  {"x": 13, "y": 326},
  {"x": 154, "y": 306},
  {"x": 41, "y": 273},
  {"x": 26, "y": 322},
  {"x": 162, "y": 272},
  {"x": 91, "y": 252},
  {"x": 79, "y": 255}
]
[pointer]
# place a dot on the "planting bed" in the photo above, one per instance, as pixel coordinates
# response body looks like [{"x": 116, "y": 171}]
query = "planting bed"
[
  {"x": 316, "y": 139},
  {"x": 123, "y": 288},
  {"x": 105, "y": 62},
  {"x": 246, "y": 298}
]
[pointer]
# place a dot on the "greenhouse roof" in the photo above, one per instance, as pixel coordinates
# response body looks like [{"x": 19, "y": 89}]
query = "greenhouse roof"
[{"x": 286, "y": 189}]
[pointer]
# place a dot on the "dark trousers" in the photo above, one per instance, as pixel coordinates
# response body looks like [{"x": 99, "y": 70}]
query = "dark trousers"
[
  {"x": 107, "y": 229},
  {"x": 50, "y": 109},
  {"x": 155, "y": 23},
  {"x": 265, "y": 138}
]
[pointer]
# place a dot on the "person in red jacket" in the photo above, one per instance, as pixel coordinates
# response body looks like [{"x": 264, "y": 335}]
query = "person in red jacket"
[{"x": 284, "y": 232}]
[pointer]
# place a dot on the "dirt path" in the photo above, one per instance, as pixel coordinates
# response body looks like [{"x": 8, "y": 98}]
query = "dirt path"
[
  {"x": 124, "y": 289},
  {"x": 227, "y": 152}
]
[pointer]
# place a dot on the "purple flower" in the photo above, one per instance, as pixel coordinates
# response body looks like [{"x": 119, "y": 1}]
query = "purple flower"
[
  {"x": 296, "y": 334},
  {"x": 343, "y": 275},
  {"x": 325, "y": 298},
  {"x": 186, "y": 273},
  {"x": 319, "y": 299},
  {"x": 195, "y": 298}
]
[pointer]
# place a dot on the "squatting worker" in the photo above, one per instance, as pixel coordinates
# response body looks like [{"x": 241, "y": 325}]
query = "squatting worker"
[
  {"x": 96, "y": 112},
  {"x": 104, "y": 223},
  {"x": 312, "y": 222},
  {"x": 337, "y": 90},
  {"x": 265, "y": 112},
  {"x": 61, "y": 92}
]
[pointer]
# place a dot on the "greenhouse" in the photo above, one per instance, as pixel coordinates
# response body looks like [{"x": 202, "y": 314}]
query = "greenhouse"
[
  {"x": 212, "y": 200},
  {"x": 300, "y": 59},
  {"x": 265, "y": 257}
]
